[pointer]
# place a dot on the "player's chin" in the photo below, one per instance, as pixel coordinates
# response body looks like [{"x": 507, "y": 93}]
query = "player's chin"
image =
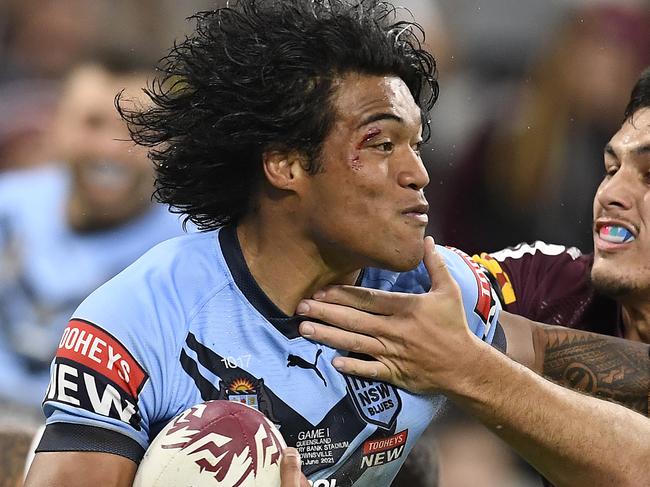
[
  {"x": 405, "y": 257},
  {"x": 602, "y": 266},
  {"x": 611, "y": 282}
]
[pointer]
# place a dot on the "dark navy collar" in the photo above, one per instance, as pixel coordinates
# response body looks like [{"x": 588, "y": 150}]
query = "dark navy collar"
[{"x": 232, "y": 253}]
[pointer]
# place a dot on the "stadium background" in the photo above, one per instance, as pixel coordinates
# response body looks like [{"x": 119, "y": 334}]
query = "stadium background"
[{"x": 530, "y": 93}]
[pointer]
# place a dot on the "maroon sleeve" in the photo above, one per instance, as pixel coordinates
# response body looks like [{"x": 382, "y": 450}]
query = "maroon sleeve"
[{"x": 547, "y": 283}]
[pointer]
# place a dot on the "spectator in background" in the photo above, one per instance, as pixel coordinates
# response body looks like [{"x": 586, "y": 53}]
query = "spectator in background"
[
  {"x": 66, "y": 228},
  {"x": 26, "y": 111},
  {"x": 44, "y": 38},
  {"x": 40, "y": 41},
  {"x": 531, "y": 173}
]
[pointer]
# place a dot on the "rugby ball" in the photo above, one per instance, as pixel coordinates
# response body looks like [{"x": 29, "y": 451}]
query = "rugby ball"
[{"x": 215, "y": 443}]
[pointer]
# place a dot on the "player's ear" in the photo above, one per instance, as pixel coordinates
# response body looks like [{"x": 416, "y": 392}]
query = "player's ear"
[{"x": 284, "y": 170}]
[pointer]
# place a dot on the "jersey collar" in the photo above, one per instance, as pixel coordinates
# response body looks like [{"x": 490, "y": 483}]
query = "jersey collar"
[{"x": 244, "y": 280}]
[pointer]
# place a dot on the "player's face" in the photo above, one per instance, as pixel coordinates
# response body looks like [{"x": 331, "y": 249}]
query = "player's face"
[
  {"x": 622, "y": 212},
  {"x": 367, "y": 203},
  {"x": 112, "y": 177}
]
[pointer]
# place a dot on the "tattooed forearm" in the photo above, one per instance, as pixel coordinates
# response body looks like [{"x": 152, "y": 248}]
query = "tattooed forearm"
[{"x": 599, "y": 365}]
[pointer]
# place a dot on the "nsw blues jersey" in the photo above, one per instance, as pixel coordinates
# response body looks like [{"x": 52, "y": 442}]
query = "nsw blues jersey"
[{"x": 187, "y": 323}]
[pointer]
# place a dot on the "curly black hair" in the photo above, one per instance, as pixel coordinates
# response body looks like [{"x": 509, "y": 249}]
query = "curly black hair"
[
  {"x": 640, "y": 96},
  {"x": 257, "y": 76}
]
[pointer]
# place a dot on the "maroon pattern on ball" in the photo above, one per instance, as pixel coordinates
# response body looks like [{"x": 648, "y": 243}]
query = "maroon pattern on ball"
[{"x": 235, "y": 421}]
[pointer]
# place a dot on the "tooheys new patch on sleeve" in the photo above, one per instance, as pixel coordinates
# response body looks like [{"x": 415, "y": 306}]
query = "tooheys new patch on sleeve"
[
  {"x": 214, "y": 443},
  {"x": 92, "y": 370}
]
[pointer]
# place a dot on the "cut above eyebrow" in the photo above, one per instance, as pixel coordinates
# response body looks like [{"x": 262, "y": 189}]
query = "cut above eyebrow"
[{"x": 380, "y": 116}]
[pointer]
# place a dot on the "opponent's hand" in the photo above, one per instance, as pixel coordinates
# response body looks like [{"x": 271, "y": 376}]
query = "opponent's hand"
[
  {"x": 419, "y": 341},
  {"x": 290, "y": 473}
]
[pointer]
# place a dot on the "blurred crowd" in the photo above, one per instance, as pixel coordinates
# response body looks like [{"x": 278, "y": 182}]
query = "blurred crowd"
[
  {"x": 530, "y": 93},
  {"x": 530, "y": 158},
  {"x": 75, "y": 193}
]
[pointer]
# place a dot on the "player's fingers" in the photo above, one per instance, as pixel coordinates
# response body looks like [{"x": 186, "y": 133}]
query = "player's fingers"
[
  {"x": 341, "y": 339},
  {"x": 374, "y": 301},
  {"x": 436, "y": 267},
  {"x": 343, "y": 317},
  {"x": 370, "y": 369},
  {"x": 290, "y": 473}
]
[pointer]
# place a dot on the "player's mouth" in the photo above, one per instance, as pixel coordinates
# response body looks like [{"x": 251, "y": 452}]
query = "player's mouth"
[
  {"x": 613, "y": 235},
  {"x": 418, "y": 213}
]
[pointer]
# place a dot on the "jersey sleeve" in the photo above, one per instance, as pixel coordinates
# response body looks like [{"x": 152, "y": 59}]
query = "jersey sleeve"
[
  {"x": 109, "y": 371},
  {"x": 529, "y": 275},
  {"x": 480, "y": 299},
  {"x": 96, "y": 382}
]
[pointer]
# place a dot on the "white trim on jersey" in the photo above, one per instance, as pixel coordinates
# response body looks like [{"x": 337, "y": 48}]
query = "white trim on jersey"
[{"x": 538, "y": 246}]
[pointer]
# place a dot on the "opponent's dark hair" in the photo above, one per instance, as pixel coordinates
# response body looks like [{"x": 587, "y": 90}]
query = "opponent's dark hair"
[
  {"x": 258, "y": 76},
  {"x": 640, "y": 97}
]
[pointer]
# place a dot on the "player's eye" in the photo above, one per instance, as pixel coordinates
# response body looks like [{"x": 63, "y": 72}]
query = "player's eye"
[
  {"x": 610, "y": 171},
  {"x": 417, "y": 148},
  {"x": 386, "y": 146}
]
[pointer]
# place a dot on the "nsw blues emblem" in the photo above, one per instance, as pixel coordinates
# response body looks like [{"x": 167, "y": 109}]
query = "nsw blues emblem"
[{"x": 377, "y": 403}]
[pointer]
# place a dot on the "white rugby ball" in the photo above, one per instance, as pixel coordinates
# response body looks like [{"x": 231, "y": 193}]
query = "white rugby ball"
[{"x": 216, "y": 443}]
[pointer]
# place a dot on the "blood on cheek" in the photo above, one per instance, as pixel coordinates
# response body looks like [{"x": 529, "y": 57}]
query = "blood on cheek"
[{"x": 355, "y": 163}]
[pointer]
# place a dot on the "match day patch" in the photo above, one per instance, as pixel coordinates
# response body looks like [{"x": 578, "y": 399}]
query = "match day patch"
[
  {"x": 94, "y": 371},
  {"x": 376, "y": 402}
]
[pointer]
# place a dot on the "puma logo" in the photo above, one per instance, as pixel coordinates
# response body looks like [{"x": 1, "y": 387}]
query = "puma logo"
[{"x": 295, "y": 361}]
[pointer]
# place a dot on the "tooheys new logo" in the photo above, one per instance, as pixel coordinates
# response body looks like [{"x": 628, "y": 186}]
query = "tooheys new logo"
[
  {"x": 383, "y": 450},
  {"x": 94, "y": 371}
]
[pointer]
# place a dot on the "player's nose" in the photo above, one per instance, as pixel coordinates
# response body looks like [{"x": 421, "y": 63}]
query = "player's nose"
[
  {"x": 413, "y": 173},
  {"x": 617, "y": 192}
]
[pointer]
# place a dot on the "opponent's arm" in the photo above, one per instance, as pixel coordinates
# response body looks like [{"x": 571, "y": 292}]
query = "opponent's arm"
[
  {"x": 562, "y": 433},
  {"x": 422, "y": 343},
  {"x": 80, "y": 469},
  {"x": 600, "y": 365}
]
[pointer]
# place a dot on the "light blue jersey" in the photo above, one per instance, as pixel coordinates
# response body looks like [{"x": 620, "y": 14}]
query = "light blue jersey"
[{"x": 187, "y": 323}]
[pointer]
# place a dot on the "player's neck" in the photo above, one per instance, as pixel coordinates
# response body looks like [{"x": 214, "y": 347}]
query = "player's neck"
[
  {"x": 636, "y": 322},
  {"x": 287, "y": 266}
]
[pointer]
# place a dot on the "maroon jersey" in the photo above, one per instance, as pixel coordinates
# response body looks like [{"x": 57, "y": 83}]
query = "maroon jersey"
[{"x": 551, "y": 284}]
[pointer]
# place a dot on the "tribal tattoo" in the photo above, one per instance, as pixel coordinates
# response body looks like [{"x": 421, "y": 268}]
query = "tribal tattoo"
[{"x": 603, "y": 366}]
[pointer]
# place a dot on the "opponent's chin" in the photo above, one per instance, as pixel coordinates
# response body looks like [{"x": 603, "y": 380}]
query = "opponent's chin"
[{"x": 610, "y": 279}]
